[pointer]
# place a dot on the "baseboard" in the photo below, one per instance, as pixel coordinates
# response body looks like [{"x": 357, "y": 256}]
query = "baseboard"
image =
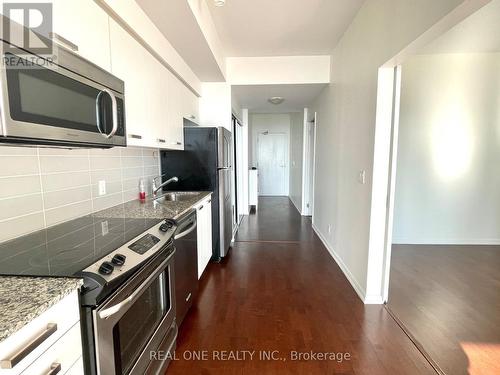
[
  {"x": 446, "y": 241},
  {"x": 360, "y": 291}
]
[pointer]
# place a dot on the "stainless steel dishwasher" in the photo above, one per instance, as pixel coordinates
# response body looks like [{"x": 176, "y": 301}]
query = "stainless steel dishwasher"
[{"x": 186, "y": 264}]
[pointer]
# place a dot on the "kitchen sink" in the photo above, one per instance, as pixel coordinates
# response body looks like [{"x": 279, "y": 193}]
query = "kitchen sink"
[{"x": 177, "y": 197}]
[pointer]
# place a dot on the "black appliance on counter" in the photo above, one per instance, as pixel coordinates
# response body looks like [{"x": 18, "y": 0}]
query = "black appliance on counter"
[
  {"x": 205, "y": 165},
  {"x": 128, "y": 304}
]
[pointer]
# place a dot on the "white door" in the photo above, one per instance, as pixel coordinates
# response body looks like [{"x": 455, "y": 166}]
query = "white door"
[{"x": 272, "y": 164}]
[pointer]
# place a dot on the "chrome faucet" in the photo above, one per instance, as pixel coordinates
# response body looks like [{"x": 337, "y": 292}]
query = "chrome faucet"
[{"x": 158, "y": 188}]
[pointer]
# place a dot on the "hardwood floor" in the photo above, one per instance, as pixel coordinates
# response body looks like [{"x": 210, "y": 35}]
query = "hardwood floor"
[
  {"x": 285, "y": 293},
  {"x": 448, "y": 298}
]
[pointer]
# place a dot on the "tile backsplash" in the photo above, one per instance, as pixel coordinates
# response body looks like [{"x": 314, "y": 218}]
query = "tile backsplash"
[{"x": 41, "y": 187}]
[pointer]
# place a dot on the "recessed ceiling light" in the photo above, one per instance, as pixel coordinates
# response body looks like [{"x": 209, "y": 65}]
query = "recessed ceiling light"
[
  {"x": 219, "y": 3},
  {"x": 276, "y": 100}
]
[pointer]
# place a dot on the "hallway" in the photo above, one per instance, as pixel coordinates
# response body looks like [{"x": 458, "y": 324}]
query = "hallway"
[{"x": 280, "y": 290}]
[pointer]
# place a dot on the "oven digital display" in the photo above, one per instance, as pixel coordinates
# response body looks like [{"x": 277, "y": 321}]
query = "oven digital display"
[{"x": 144, "y": 244}]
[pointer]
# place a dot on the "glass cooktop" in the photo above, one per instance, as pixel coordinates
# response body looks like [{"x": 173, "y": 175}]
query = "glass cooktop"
[{"x": 70, "y": 247}]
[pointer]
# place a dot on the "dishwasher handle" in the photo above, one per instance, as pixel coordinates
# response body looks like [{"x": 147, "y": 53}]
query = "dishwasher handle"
[{"x": 191, "y": 228}]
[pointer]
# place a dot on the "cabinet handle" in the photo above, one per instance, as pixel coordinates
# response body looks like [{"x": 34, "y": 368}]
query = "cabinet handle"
[
  {"x": 9, "y": 363},
  {"x": 177, "y": 143},
  {"x": 62, "y": 41},
  {"x": 201, "y": 208},
  {"x": 188, "y": 297},
  {"x": 161, "y": 140},
  {"x": 192, "y": 117},
  {"x": 55, "y": 368},
  {"x": 135, "y": 136},
  {"x": 210, "y": 201}
]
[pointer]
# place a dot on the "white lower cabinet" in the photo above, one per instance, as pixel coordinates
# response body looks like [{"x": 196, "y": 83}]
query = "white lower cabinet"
[
  {"x": 49, "y": 344},
  {"x": 204, "y": 233},
  {"x": 61, "y": 356},
  {"x": 77, "y": 368}
]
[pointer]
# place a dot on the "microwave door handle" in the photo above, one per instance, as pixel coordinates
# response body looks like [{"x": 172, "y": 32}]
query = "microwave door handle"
[{"x": 114, "y": 109}]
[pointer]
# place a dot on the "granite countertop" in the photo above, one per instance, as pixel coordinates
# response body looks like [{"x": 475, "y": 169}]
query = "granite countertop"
[
  {"x": 151, "y": 209},
  {"x": 23, "y": 299}
]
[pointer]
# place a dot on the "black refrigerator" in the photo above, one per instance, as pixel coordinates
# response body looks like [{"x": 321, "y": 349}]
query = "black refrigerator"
[{"x": 205, "y": 165}]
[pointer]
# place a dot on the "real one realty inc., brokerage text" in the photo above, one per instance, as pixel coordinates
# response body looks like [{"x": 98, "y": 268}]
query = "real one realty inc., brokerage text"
[{"x": 249, "y": 355}]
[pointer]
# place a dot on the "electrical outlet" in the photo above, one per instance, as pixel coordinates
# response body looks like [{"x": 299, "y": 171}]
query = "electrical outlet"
[
  {"x": 362, "y": 177},
  {"x": 329, "y": 228},
  {"x": 104, "y": 227},
  {"x": 102, "y": 187}
]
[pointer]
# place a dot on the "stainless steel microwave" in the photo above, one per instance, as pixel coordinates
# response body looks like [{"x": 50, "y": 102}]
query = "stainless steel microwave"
[{"x": 69, "y": 102}]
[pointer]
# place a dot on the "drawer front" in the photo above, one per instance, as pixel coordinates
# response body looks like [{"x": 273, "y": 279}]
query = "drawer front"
[
  {"x": 60, "y": 357},
  {"x": 24, "y": 346},
  {"x": 77, "y": 368}
]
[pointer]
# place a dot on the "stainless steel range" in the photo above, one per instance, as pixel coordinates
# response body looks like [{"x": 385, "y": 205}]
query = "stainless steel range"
[{"x": 128, "y": 308}]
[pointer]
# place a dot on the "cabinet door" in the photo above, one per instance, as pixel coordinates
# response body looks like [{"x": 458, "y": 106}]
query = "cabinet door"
[
  {"x": 159, "y": 101},
  {"x": 132, "y": 63},
  {"x": 204, "y": 215},
  {"x": 84, "y": 25},
  {"x": 190, "y": 103},
  {"x": 175, "y": 113}
]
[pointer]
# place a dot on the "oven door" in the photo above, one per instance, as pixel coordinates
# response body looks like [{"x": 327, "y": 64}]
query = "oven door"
[
  {"x": 50, "y": 104},
  {"x": 138, "y": 320}
]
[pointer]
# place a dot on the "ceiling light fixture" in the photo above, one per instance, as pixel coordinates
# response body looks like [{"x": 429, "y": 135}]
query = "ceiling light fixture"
[
  {"x": 219, "y": 3},
  {"x": 276, "y": 100}
]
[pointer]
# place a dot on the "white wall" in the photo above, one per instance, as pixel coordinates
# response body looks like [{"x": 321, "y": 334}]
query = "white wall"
[
  {"x": 277, "y": 70},
  {"x": 296, "y": 158},
  {"x": 274, "y": 123},
  {"x": 447, "y": 187},
  {"x": 346, "y": 129}
]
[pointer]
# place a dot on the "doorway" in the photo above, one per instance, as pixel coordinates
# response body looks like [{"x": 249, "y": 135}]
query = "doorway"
[{"x": 272, "y": 163}]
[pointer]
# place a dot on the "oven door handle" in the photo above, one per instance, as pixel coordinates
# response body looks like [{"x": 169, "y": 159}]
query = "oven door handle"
[
  {"x": 186, "y": 232},
  {"x": 105, "y": 314}
]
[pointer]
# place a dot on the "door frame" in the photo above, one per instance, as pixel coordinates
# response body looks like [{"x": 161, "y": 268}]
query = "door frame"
[
  {"x": 385, "y": 153},
  {"x": 309, "y": 164},
  {"x": 238, "y": 167},
  {"x": 286, "y": 187}
]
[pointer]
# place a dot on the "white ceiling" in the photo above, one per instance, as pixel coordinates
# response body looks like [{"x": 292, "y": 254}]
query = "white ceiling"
[
  {"x": 477, "y": 33},
  {"x": 297, "y": 97},
  {"x": 282, "y": 27},
  {"x": 177, "y": 23}
]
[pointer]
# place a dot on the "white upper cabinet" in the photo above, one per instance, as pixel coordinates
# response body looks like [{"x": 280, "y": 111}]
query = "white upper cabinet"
[
  {"x": 175, "y": 115},
  {"x": 190, "y": 108},
  {"x": 83, "y": 26},
  {"x": 182, "y": 103},
  {"x": 145, "y": 89}
]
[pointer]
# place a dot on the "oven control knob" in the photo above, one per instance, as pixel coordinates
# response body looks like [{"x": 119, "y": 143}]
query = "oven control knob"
[
  {"x": 118, "y": 260},
  {"x": 106, "y": 268}
]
